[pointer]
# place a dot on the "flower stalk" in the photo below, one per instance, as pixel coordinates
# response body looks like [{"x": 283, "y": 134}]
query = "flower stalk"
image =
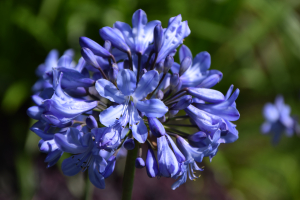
[{"x": 129, "y": 171}]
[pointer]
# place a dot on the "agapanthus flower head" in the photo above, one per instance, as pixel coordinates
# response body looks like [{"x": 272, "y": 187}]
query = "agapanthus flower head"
[
  {"x": 278, "y": 120},
  {"x": 128, "y": 92}
]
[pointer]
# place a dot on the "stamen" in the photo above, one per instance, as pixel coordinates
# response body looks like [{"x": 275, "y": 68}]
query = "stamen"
[
  {"x": 184, "y": 125},
  {"x": 125, "y": 107},
  {"x": 160, "y": 81},
  {"x": 154, "y": 62},
  {"x": 182, "y": 134},
  {"x": 139, "y": 67},
  {"x": 130, "y": 60},
  {"x": 177, "y": 94},
  {"x": 149, "y": 58}
]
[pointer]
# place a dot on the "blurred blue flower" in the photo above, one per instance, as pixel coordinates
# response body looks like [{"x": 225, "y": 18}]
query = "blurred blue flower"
[
  {"x": 278, "y": 120},
  {"x": 51, "y": 62}
]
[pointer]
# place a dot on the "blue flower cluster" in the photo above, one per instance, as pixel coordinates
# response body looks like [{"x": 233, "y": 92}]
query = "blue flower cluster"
[
  {"x": 278, "y": 120},
  {"x": 131, "y": 89}
]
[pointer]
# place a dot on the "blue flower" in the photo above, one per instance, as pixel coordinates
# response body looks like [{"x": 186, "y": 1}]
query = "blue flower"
[
  {"x": 197, "y": 74},
  {"x": 61, "y": 109},
  {"x": 47, "y": 143},
  {"x": 187, "y": 169},
  {"x": 140, "y": 35},
  {"x": 50, "y": 62},
  {"x": 45, "y": 68},
  {"x": 191, "y": 154},
  {"x": 211, "y": 117},
  {"x": 151, "y": 163},
  {"x": 107, "y": 138},
  {"x": 130, "y": 99},
  {"x": 115, "y": 37},
  {"x": 173, "y": 36},
  {"x": 169, "y": 161},
  {"x": 86, "y": 156},
  {"x": 278, "y": 120}
]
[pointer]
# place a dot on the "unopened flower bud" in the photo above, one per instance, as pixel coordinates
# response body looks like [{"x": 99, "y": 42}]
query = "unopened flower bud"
[
  {"x": 129, "y": 144},
  {"x": 159, "y": 67},
  {"x": 175, "y": 83},
  {"x": 151, "y": 163},
  {"x": 139, "y": 163},
  {"x": 96, "y": 48},
  {"x": 184, "y": 65},
  {"x": 184, "y": 102},
  {"x": 158, "y": 37},
  {"x": 168, "y": 63},
  {"x": 157, "y": 129},
  {"x": 113, "y": 35},
  {"x": 91, "y": 122},
  {"x": 89, "y": 57}
]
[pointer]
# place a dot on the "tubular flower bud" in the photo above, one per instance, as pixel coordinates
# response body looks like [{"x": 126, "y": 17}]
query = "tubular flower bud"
[
  {"x": 184, "y": 65},
  {"x": 158, "y": 38},
  {"x": 96, "y": 48},
  {"x": 91, "y": 122},
  {"x": 156, "y": 127},
  {"x": 168, "y": 63}
]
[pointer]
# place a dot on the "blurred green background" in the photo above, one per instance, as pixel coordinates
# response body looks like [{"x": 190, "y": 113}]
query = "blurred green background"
[{"x": 255, "y": 43}]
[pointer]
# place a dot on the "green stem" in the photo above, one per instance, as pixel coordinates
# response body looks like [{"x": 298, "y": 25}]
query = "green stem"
[
  {"x": 88, "y": 190},
  {"x": 129, "y": 173}
]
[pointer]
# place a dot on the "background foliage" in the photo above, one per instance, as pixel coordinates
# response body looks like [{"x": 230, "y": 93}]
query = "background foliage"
[{"x": 255, "y": 43}]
